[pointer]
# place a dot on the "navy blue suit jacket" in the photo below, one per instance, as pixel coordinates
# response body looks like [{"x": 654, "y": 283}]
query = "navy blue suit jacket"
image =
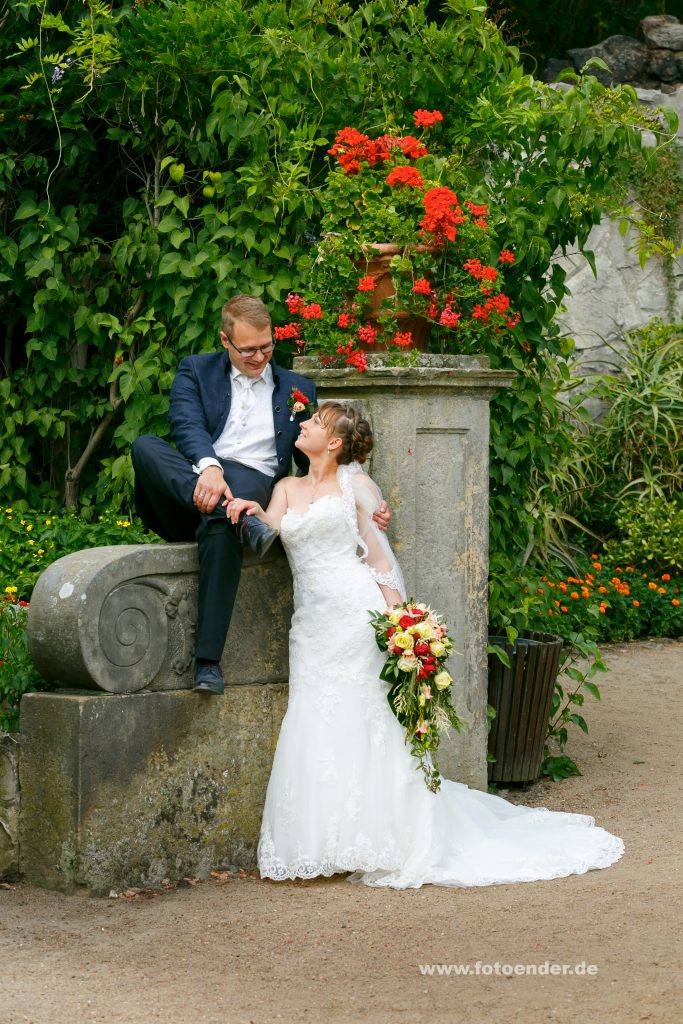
[{"x": 200, "y": 405}]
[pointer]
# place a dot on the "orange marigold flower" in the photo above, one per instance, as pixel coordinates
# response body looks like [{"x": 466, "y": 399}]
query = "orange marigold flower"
[
  {"x": 666, "y": 576},
  {"x": 661, "y": 590},
  {"x": 562, "y": 586},
  {"x": 564, "y": 608},
  {"x": 551, "y": 584},
  {"x": 652, "y": 586},
  {"x": 574, "y": 595},
  {"x": 602, "y": 590},
  {"x": 602, "y": 609},
  {"x": 636, "y": 604},
  {"x": 675, "y": 602},
  {"x": 596, "y": 565}
]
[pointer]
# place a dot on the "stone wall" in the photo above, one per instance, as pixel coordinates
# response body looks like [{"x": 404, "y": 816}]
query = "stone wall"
[
  {"x": 625, "y": 296},
  {"x": 9, "y": 805},
  {"x": 653, "y": 60}
]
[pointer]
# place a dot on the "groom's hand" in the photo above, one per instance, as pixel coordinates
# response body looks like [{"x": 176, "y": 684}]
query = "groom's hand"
[
  {"x": 210, "y": 488},
  {"x": 382, "y": 516}
]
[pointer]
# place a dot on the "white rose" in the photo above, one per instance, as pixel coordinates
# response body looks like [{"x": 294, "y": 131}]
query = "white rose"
[
  {"x": 442, "y": 680},
  {"x": 407, "y": 662}
]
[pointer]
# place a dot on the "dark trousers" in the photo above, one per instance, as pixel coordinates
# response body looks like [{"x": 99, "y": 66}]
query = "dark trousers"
[{"x": 164, "y": 486}]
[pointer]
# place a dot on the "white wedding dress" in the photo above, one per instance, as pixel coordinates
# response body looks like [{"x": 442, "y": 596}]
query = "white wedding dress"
[{"x": 344, "y": 794}]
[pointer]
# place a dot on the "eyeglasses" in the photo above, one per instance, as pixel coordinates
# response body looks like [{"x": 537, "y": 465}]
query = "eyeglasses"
[{"x": 265, "y": 350}]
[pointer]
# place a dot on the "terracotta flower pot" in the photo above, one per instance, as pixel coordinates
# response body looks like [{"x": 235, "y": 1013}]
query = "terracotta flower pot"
[{"x": 377, "y": 264}]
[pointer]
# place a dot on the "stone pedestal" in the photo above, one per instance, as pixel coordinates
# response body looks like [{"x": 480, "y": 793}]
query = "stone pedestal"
[{"x": 431, "y": 460}]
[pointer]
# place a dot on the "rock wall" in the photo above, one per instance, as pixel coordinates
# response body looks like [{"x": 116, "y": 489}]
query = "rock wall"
[
  {"x": 625, "y": 296},
  {"x": 654, "y": 60}
]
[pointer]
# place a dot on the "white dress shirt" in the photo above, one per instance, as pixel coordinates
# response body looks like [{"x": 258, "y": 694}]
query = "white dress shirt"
[{"x": 249, "y": 433}]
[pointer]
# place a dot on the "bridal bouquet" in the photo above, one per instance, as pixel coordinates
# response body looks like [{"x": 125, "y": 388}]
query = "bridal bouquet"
[{"x": 417, "y": 645}]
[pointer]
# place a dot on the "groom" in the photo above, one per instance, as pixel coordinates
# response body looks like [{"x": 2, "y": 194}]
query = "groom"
[{"x": 234, "y": 436}]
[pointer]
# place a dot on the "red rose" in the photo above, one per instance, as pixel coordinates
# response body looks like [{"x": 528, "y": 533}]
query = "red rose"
[
  {"x": 406, "y": 621},
  {"x": 391, "y": 631},
  {"x": 422, "y": 647}
]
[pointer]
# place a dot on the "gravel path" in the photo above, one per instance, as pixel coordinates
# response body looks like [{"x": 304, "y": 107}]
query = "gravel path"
[{"x": 241, "y": 950}]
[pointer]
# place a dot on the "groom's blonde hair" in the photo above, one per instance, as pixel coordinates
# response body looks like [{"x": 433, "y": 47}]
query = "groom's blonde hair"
[{"x": 247, "y": 308}]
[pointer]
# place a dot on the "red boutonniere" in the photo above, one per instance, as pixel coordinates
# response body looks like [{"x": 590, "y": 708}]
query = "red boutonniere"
[{"x": 299, "y": 402}]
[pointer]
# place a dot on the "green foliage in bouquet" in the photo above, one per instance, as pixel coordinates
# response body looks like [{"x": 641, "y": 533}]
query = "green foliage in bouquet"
[{"x": 417, "y": 646}]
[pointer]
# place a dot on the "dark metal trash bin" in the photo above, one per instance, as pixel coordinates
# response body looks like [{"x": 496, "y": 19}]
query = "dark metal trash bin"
[{"x": 521, "y": 695}]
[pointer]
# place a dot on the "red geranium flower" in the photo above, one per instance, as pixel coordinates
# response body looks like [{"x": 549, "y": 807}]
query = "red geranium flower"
[
  {"x": 367, "y": 334},
  {"x": 422, "y": 286},
  {"x": 285, "y": 332},
  {"x": 409, "y": 176},
  {"x": 412, "y": 147},
  {"x": 426, "y": 118},
  {"x": 313, "y": 311},
  {"x": 366, "y": 284},
  {"x": 295, "y": 303}
]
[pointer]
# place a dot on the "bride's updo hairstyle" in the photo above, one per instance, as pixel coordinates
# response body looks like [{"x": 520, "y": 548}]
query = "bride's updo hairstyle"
[{"x": 354, "y": 430}]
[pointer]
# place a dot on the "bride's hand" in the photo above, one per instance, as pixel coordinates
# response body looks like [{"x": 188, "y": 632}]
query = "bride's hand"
[{"x": 236, "y": 506}]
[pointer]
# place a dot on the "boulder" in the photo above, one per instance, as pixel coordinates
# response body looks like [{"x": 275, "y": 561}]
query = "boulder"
[
  {"x": 662, "y": 32},
  {"x": 663, "y": 65},
  {"x": 626, "y": 58}
]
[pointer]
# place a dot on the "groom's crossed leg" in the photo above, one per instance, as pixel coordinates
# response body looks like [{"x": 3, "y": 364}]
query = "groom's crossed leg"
[{"x": 164, "y": 488}]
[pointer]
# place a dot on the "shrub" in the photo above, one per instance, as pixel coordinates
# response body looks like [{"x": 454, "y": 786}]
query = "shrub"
[
  {"x": 31, "y": 540},
  {"x": 610, "y": 602},
  {"x": 18, "y": 674},
  {"x": 650, "y": 535}
]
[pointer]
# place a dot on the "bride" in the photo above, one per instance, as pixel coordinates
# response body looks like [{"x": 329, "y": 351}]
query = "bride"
[{"x": 344, "y": 795}]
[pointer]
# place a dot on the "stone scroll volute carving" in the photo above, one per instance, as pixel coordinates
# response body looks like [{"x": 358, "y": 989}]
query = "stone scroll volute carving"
[{"x": 109, "y": 618}]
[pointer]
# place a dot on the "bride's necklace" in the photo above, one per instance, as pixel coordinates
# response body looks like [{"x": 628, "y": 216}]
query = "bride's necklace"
[{"x": 317, "y": 487}]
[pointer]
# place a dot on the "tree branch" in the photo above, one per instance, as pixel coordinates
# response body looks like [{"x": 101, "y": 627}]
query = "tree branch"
[{"x": 73, "y": 474}]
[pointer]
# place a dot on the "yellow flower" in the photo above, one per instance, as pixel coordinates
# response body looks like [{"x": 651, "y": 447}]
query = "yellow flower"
[
  {"x": 41, "y": 551},
  {"x": 437, "y": 647},
  {"x": 442, "y": 680},
  {"x": 31, "y": 542},
  {"x": 8, "y": 511},
  {"x": 22, "y": 522},
  {"x": 48, "y": 522},
  {"x": 10, "y": 590},
  {"x": 403, "y": 640},
  {"x": 395, "y": 617},
  {"x": 29, "y": 528}
]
